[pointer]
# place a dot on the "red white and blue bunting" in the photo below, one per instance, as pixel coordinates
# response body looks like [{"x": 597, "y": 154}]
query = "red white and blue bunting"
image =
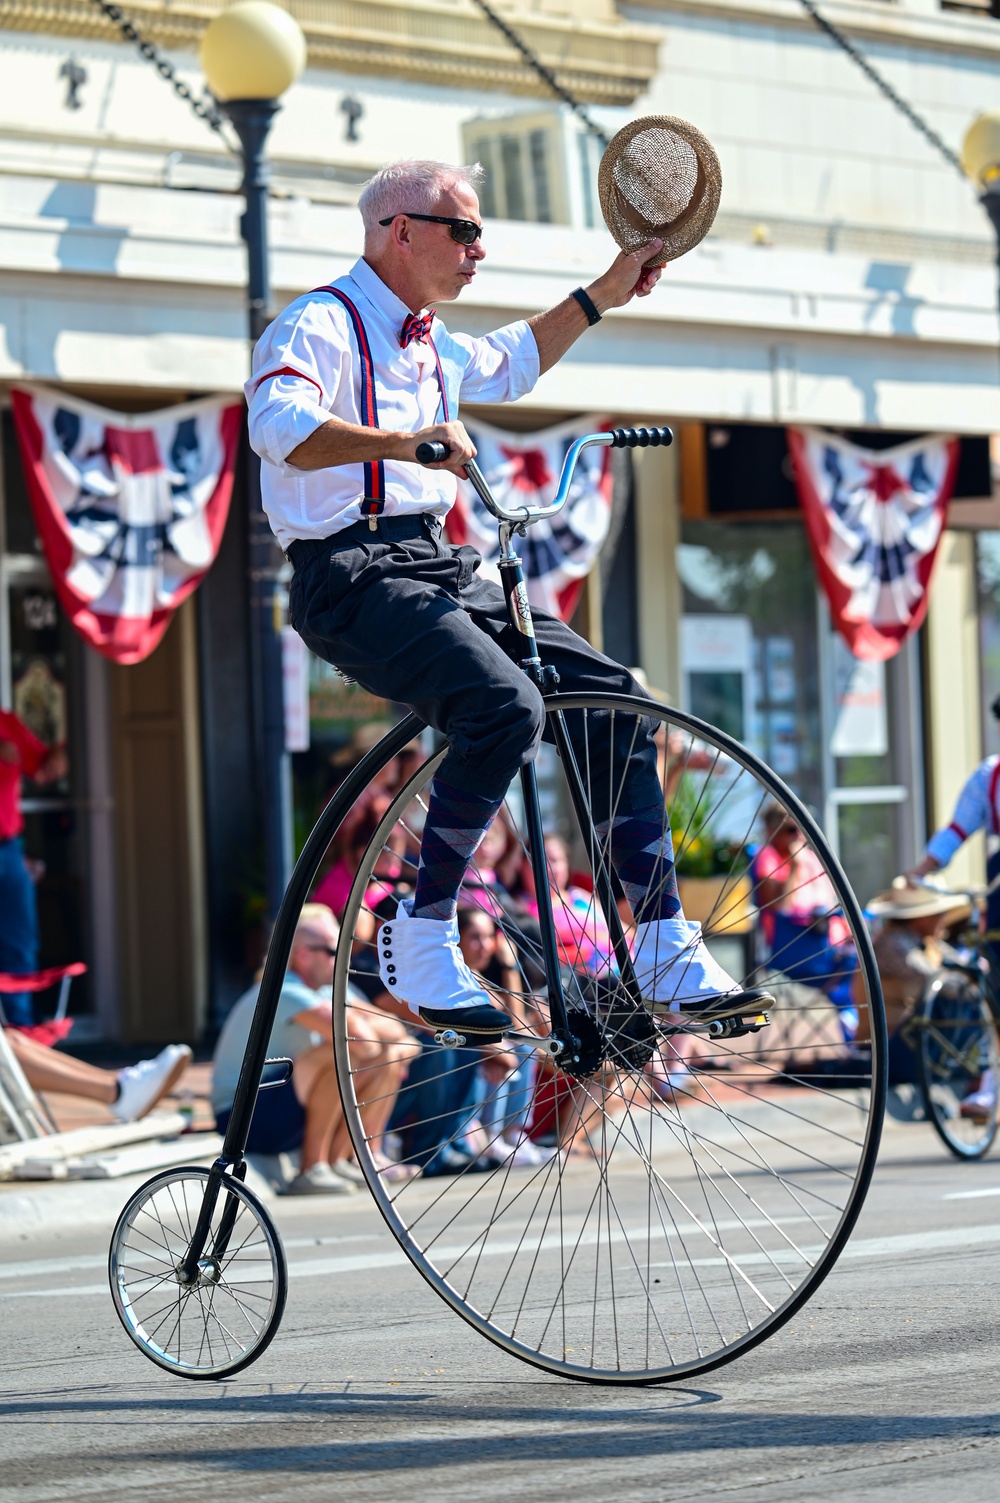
[
  {"x": 874, "y": 520},
  {"x": 130, "y": 509},
  {"x": 523, "y": 470}
]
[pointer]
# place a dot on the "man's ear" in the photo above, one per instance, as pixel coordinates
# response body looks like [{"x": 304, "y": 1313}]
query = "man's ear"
[{"x": 402, "y": 235}]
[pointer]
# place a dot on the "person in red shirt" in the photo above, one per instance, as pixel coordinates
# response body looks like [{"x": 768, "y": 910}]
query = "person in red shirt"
[{"x": 21, "y": 755}]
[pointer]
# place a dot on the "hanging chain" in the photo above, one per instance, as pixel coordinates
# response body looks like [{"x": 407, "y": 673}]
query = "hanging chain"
[
  {"x": 207, "y": 112},
  {"x": 884, "y": 87},
  {"x": 543, "y": 72}
]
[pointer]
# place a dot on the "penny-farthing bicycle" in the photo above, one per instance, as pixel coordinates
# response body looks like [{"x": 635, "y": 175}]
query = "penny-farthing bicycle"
[{"x": 691, "y": 1186}]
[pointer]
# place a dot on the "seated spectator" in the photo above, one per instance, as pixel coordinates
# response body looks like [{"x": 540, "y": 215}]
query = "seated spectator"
[
  {"x": 508, "y": 1075},
  {"x": 463, "y": 1110},
  {"x": 357, "y": 826},
  {"x": 482, "y": 887},
  {"x": 306, "y": 1112},
  {"x": 584, "y": 941},
  {"x": 909, "y": 951},
  {"x": 808, "y": 938},
  {"x": 128, "y": 1094}
]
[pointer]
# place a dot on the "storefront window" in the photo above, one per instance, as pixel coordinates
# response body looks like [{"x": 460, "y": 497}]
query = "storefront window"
[
  {"x": 762, "y": 661},
  {"x": 748, "y": 643}
]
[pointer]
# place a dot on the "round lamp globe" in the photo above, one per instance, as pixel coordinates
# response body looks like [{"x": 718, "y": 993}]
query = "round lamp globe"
[
  {"x": 253, "y": 50},
  {"x": 981, "y": 150}
]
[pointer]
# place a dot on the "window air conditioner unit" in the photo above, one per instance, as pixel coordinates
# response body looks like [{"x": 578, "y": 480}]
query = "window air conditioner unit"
[{"x": 540, "y": 166}]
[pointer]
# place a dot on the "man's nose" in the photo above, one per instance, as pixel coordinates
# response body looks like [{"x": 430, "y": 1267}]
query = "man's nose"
[{"x": 476, "y": 251}]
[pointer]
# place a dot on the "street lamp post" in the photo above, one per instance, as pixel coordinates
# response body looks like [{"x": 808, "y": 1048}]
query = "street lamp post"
[
  {"x": 251, "y": 53},
  {"x": 981, "y": 163}
]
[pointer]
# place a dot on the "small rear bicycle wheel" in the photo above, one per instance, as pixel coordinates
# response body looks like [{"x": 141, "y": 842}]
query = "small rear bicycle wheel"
[
  {"x": 959, "y": 1065},
  {"x": 223, "y": 1320},
  {"x": 666, "y": 1211}
]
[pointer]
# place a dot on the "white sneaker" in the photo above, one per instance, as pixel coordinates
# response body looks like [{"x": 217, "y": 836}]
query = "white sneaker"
[
  {"x": 349, "y": 1170},
  {"x": 141, "y": 1086},
  {"x": 681, "y": 980},
  {"x": 320, "y": 1179},
  {"x": 523, "y": 1155},
  {"x": 420, "y": 962},
  {"x": 981, "y": 1104}
]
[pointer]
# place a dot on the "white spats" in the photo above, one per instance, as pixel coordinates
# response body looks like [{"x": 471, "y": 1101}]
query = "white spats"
[
  {"x": 673, "y": 965},
  {"x": 420, "y": 962}
]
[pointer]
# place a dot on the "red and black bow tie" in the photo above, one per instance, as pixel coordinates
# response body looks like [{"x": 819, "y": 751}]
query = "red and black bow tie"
[{"x": 416, "y": 327}]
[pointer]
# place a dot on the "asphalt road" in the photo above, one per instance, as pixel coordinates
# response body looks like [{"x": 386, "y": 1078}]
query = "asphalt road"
[{"x": 883, "y": 1387}]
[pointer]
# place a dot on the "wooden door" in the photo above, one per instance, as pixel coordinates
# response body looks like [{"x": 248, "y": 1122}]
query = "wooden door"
[{"x": 161, "y": 898}]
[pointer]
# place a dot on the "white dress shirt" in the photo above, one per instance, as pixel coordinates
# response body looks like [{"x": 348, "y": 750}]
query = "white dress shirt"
[{"x": 306, "y": 368}]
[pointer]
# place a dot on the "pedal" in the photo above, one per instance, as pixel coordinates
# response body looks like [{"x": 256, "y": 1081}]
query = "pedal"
[
  {"x": 449, "y": 1039},
  {"x": 736, "y": 1027}
]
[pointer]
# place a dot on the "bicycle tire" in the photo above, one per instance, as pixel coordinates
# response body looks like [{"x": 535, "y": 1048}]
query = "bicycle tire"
[
  {"x": 142, "y": 1266},
  {"x": 751, "y": 1138},
  {"x": 956, "y": 1045}
]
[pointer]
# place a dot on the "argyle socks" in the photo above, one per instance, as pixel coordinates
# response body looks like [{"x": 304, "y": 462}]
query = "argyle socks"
[
  {"x": 456, "y": 822},
  {"x": 642, "y": 854}
]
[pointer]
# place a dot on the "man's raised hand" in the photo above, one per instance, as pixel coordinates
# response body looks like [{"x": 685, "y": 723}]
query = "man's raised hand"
[{"x": 627, "y": 278}]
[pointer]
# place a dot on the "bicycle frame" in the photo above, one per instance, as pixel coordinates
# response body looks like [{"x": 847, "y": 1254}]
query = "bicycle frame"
[{"x": 608, "y": 889}]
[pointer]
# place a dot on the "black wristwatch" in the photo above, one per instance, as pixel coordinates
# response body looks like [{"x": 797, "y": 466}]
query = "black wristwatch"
[{"x": 593, "y": 317}]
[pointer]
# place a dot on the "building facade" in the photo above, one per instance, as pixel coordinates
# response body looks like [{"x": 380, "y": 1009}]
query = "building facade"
[{"x": 848, "y": 283}]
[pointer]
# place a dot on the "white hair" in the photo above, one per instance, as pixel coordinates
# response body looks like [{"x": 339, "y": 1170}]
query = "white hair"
[
  {"x": 311, "y": 920},
  {"x": 412, "y": 187}
]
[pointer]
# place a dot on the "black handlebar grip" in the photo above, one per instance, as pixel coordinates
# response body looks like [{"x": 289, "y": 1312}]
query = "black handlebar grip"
[
  {"x": 432, "y": 453},
  {"x": 641, "y": 438}
]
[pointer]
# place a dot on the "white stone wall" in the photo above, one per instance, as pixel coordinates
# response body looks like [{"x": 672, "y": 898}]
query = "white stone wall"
[
  {"x": 803, "y": 134},
  {"x": 109, "y": 279}
]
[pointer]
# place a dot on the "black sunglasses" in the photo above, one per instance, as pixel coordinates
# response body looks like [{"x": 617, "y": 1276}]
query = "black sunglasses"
[
  {"x": 326, "y": 949},
  {"x": 465, "y": 231}
]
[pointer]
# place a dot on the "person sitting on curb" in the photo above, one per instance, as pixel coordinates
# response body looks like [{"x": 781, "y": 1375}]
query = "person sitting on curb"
[
  {"x": 128, "y": 1094},
  {"x": 306, "y": 1111}
]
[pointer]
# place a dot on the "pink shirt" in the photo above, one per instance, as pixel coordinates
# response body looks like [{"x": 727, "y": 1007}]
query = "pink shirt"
[{"x": 811, "y": 892}]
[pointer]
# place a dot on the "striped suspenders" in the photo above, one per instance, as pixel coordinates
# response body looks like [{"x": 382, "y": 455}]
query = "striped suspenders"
[{"x": 373, "y": 501}]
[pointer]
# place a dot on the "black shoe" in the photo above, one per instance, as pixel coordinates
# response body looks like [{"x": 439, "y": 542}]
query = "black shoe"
[
  {"x": 481, "y": 1025},
  {"x": 726, "y": 1005}
]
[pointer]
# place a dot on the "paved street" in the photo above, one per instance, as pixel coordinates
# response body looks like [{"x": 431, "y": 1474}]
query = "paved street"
[{"x": 883, "y": 1387}]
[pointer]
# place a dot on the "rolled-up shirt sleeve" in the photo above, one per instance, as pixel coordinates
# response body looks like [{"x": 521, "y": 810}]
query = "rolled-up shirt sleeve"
[
  {"x": 501, "y": 366},
  {"x": 972, "y": 813},
  {"x": 297, "y": 365}
]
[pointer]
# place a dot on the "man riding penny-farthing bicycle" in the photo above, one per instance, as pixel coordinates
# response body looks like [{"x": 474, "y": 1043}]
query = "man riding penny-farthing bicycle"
[{"x": 688, "y": 1205}]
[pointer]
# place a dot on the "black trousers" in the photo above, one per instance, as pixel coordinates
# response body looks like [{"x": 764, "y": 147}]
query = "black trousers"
[{"x": 408, "y": 617}]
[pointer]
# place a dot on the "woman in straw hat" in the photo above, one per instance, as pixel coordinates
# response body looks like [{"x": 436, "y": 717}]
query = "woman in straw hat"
[{"x": 909, "y": 950}]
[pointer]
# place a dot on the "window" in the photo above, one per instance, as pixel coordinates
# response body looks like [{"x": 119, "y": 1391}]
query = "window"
[{"x": 540, "y": 166}]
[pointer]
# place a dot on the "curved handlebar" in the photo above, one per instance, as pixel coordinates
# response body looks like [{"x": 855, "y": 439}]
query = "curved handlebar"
[{"x": 618, "y": 438}]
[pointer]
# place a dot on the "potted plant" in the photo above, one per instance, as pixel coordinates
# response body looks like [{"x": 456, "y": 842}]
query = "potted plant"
[{"x": 712, "y": 871}]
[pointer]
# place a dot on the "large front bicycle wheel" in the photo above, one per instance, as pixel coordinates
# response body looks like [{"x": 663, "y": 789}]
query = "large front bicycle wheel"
[
  {"x": 958, "y": 1065},
  {"x": 670, "y": 1208}
]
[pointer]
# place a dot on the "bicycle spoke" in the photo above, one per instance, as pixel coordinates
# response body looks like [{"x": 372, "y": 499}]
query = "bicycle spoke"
[{"x": 696, "y": 1187}]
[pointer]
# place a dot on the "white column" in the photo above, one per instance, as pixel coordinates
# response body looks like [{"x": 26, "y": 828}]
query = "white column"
[{"x": 953, "y": 714}]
